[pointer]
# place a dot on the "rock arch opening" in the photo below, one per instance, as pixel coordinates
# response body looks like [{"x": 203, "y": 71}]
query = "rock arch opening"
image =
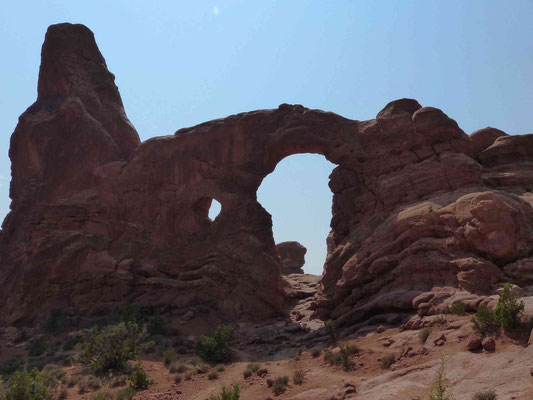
[{"x": 297, "y": 196}]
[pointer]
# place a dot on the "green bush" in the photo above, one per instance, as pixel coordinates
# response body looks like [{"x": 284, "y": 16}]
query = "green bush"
[
  {"x": 508, "y": 309},
  {"x": 298, "y": 377},
  {"x": 217, "y": 347},
  {"x": 486, "y": 395},
  {"x": 344, "y": 354},
  {"x": 387, "y": 361},
  {"x": 113, "y": 347},
  {"x": 24, "y": 385},
  {"x": 485, "y": 320},
  {"x": 439, "y": 391},
  {"x": 138, "y": 378},
  {"x": 228, "y": 394},
  {"x": 458, "y": 308}
]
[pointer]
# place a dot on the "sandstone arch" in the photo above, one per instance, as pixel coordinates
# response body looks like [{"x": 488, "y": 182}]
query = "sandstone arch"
[{"x": 99, "y": 218}]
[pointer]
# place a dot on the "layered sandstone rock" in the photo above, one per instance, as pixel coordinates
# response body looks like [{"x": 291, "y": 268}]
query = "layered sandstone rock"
[
  {"x": 99, "y": 219},
  {"x": 292, "y": 256}
]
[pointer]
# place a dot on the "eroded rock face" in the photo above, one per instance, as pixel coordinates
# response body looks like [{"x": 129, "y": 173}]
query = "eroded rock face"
[
  {"x": 292, "y": 256},
  {"x": 99, "y": 219}
]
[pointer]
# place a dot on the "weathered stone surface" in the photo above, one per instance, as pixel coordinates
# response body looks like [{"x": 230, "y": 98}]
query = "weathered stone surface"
[
  {"x": 99, "y": 219},
  {"x": 484, "y": 138},
  {"x": 292, "y": 256}
]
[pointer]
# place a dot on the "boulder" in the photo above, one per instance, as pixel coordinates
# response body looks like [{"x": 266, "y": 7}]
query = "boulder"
[{"x": 292, "y": 256}]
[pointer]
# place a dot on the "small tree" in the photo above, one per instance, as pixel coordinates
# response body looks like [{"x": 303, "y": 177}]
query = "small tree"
[
  {"x": 439, "y": 390},
  {"x": 27, "y": 386},
  {"x": 138, "y": 378},
  {"x": 113, "y": 347},
  {"x": 509, "y": 309}
]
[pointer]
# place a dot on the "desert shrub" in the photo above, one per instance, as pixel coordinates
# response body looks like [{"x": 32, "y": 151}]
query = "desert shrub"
[
  {"x": 228, "y": 394},
  {"x": 119, "y": 380},
  {"x": 132, "y": 313},
  {"x": 113, "y": 347},
  {"x": 485, "y": 320},
  {"x": 486, "y": 395},
  {"x": 179, "y": 368},
  {"x": 331, "y": 329},
  {"x": 24, "y": 385},
  {"x": 57, "y": 322},
  {"x": 457, "y": 308},
  {"x": 138, "y": 378},
  {"x": 439, "y": 391},
  {"x": 280, "y": 385},
  {"x": 315, "y": 352},
  {"x": 247, "y": 373},
  {"x": 508, "y": 309},
  {"x": 125, "y": 394},
  {"x": 157, "y": 326},
  {"x": 36, "y": 347},
  {"x": 70, "y": 343},
  {"x": 298, "y": 377},
  {"x": 216, "y": 347},
  {"x": 100, "y": 396},
  {"x": 329, "y": 357},
  {"x": 177, "y": 379},
  {"x": 63, "y": 394},
  {"x": 423, "y": 334},
  {"x": 202, "y": 368},
  {"x": 169, "y": 356},
  {"x": 212, "y": 375},
  {"x": 188, "y": 376},
  {"x": 220, "y": 368},
  {"x": 387, "y": 361},
  {"x": 344, "y": 354},
  {"x": 7, "y": 367}
]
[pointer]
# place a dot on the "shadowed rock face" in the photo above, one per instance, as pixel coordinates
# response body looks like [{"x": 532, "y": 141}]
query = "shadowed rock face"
[{"x": 99, "y": 219}]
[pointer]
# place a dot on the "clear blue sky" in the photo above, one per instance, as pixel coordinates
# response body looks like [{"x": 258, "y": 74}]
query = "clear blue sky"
[{"x": 179, "y": 63}]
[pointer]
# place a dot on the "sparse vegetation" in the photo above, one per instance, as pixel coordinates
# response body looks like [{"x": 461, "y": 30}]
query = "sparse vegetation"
[
  {"x": 113, "y": 347},
  {"x": 228, "y": 394},
  {"x": 157, "y": 326},
  {"x": 439, "y": 391},
  {"x": 458, "y": 308},
  {"x": 251, "y": 369},
  {"x": 169, "y": 356},
  {"x": 509, "y": 309},
  {"x": 57, "y": 322},
  {"x": 100, "y": 396},
  {"x": 280, "y": 384},
  {"x": 423, "y": 334},
  {"x": 24, "y": 385},
  {"x": 298, "y": 377},
  {"x": 217, "y": 347},
  {"x": 125, "y": 394},
  {"x": 486, "y": 395},
  {"x": 331, "y": 329},
  {"x": 315, "y": 352},
  {"x": 36, "y": 347},
  {"x": 177, "y": 379},
  {"x": 212, "y": 375},
  {"x": 387, "y": 361}
]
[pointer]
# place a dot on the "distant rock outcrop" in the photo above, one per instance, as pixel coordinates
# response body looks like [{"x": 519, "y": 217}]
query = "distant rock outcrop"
[
  {"x": 292, "y": 256},
  {"x": 99, "y": 218}
]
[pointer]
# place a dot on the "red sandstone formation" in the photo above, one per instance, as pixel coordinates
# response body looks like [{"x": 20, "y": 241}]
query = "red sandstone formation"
[
  {"x": 292, "y": 256},
  {"x": 98, "y": 218}
]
